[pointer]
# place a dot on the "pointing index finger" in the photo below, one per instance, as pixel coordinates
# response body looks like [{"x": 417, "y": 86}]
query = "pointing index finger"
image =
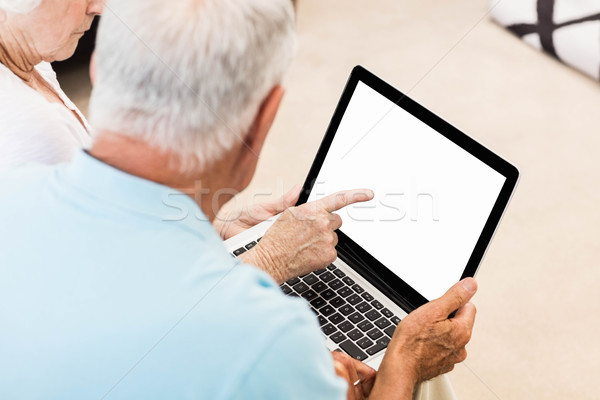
[{"x": 344, "y": 198}]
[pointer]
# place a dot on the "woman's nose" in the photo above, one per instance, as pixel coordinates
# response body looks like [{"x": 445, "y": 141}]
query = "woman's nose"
[{"x": 95, "y": 7}]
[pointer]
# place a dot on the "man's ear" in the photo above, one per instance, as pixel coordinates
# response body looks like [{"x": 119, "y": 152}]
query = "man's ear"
[{"x": 255, "y": 138}]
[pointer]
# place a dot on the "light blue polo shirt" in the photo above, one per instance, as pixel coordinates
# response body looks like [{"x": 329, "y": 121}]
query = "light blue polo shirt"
[{"x": 115, "y": 287}]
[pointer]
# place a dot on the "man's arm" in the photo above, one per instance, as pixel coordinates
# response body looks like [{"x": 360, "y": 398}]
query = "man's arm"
[
  {"x": 427, "y": 343},
  {"x": 303, "y": 238},
  {"x": 295, "y": 366}
]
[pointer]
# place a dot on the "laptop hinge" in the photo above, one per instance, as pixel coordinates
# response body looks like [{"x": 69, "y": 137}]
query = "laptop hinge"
[{"x": 360, "y": 267}]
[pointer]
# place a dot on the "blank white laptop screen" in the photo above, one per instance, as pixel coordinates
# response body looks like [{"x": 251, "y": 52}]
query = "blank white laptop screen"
[{"x": 432, "y": 198}]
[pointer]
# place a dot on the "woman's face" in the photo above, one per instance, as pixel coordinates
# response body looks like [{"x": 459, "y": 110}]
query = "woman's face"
[{"x": 54, "y": 28}]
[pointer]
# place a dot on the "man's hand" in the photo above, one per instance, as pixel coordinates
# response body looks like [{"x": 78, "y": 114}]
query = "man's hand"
[
  {"x": 229, "y": 223},
  {"x": 427, "y": 343},
  {"x": 354, "y": 371},
  {"x": 303, "y": 238}
]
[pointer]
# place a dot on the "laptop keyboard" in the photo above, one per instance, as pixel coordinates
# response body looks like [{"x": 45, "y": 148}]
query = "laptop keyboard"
[{"x": 348, "y": 315}]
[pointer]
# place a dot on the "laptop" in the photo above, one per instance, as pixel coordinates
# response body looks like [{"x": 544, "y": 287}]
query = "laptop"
[{"x": 439, "y": 196}]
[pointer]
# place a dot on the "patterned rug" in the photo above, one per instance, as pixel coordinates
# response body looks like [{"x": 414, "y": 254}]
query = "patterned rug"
[{"x": 568, "y": 30}]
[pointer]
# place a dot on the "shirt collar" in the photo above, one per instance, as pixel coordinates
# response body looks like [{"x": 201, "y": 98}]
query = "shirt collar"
[{"x": 139, "y": 196}]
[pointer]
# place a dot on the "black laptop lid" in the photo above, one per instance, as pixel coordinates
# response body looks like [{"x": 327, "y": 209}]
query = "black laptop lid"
[{"x": 439, "y": 195}]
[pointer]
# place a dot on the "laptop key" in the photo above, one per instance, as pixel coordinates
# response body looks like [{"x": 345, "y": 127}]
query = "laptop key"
[
  {"x": 250, "y": 245},
  {"x": 300, "y": 287},
  {"x": 328, "y": 294},
  {"x": 344, "y": 326},
  {"x": 377, "y": 305},
  {"x": 348, "y": 281},
  {"x": 373, "y": 315},
  {"x": 374, "y": 333},
  {"x": 336, "y": 284},
  {"x": 327, "y": 276},
  {"x": 319, "y": 271},
  {"x": 364, "y": 342},
  {"x": 367, "y": 296},
  {"x": 336, "y": 318},
  {"x": 337, "y": 302},
  {"x": 322, "y": 320},
  {"x": 286, "y": 289},
  {"x": 354, "y": 299},
  {"x": 387, "y": 313},
  {"x": 358, "y": 289},
  {"x": 331, "y": 267},
  {"x": 383, "y": 322},
  {"x": 356, "y": 317},
  {"x": 390, "y": 330},
  {"x": 327, "y": 310},
  {"x": 338, "y": 337},
  {"x": 364, "y": 307},
  {"x": 318, "y": 303},
  {"x": 292, "y": 281},
  {"x": 376, "y": 349},
  {"x": 339, "y": 273},
  {"x": 310, "y": 279},
  {"x": 328, "y": 329},
  {"x": 346, "y": 309},
  {"x": 309, "y": 295},
  {"x": 355, "y": 334},
  {"x": 353, "y": 350},
  {"x": 395, "y": 320},
  {"x": 239, "y": 251},
  {"x": 319, "y": 287},
  {"x": 365, "y": 326},
  {"x": 384, "y": 340},
  {"x": 345, "y": 292}
]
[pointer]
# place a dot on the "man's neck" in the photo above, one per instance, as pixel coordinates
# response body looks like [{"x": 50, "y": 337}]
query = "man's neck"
[{"x": 140, "y": 159}]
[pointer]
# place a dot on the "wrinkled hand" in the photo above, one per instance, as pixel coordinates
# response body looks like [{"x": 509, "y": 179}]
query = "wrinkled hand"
[
  {"x": 303, "y": 238},
  {"x": 352, "y": 371},
  {"x": 229, "y": 223},
  {"x": 427, "y": 343}
]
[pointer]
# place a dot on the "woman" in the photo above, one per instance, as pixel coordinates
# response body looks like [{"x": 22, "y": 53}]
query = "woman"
[{"x": 38, "y": 122}]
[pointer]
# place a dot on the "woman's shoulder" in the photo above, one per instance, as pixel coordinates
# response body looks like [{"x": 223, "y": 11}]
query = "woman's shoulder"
[
  {"x": 34, "y": 129},
  {"x": 40, "y": 138}
]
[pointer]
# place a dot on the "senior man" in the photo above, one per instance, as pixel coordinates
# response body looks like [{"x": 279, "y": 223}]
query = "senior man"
[{"x": 103, "y": 298}]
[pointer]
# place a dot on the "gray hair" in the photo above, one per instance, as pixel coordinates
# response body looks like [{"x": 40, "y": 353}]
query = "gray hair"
[
  {"x": 19, "y": 6},
  {"x": 189, "y": 76}
]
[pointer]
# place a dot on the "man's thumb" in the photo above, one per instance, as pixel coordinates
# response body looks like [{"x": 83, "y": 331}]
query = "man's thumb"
[
  {"x": 291, "y": 197},
  {"x": 458, "y": 295}
]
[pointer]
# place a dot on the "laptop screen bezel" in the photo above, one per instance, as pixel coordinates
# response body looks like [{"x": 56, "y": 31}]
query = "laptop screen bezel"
[{"x": 363, "y": 262}]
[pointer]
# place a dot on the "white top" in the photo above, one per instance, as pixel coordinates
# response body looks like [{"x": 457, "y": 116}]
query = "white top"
[{"x": 32, "y": 129}]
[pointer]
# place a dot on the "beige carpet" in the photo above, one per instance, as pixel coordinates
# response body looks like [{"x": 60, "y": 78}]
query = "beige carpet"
[{"x": 539, "y": 307}]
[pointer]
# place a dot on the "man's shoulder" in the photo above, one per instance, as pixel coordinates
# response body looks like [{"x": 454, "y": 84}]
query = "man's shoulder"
[{"x": 15, "y": 180}]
